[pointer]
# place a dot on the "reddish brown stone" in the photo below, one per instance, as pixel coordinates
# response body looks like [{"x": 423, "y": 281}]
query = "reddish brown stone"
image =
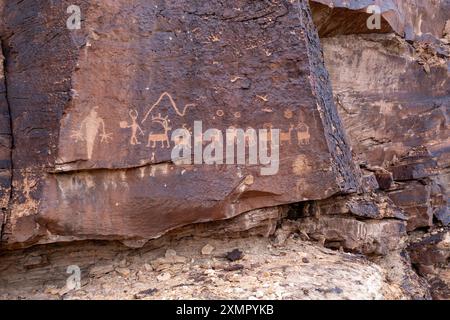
[
  {"x": 409, "y": 18},
  {"x": 430, "y": 254},
  {"x": 76, "y": 96},
  {"x": 384, "y": 179},
  {"x": 414, "y": 199},
  {"x": 368, "y": 237}
]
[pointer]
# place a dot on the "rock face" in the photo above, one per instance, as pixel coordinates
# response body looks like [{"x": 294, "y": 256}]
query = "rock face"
[
  {"x": 430, "y": 253},
  {"x": 411, "y": 19},
  {"x": 5, "y": 147},
  {"x": 397, "y": 118},
  {"x": 93, "y": 110},
  {"x": 90, "y": 119},
  {"x": 394, "y": 98}
]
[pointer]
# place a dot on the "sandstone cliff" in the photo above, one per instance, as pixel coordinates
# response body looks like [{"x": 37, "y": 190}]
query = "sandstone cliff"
[{"x": 86, "y": 117}]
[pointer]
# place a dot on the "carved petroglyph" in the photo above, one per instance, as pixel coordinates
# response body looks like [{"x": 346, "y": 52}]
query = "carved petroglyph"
[
  {"x": 288, "y": 114},
  {"x": 301, "y": 165},
  {"x": 28, "y": 205},
  {"x": 263, "y": 98},
  {"x": 185, "y": 126},
  {"x": 163, "y": 138},
  {"x": 134, "y": 126},
  {"x": 303, "y": 135},
  {"x": 89, "y": 130},
  {"x": 181, "y": 113},
  {"x": 286, "y": 136}
]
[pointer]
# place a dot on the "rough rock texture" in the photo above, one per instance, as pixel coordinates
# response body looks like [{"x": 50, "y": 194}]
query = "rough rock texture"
[
  {"x": 411, "y": 19},
  {"x": 93, "y": 109},
  {"x": 86, "y": 117},
  {"x": 394, "y": 98},
  {"x": 430, "y": 253},
  {"x": 396, "y": 118},
  {"x": 5, "y": 148},
  {"x": 368, "y": 237},
  {"x": 178, "y": 270}
]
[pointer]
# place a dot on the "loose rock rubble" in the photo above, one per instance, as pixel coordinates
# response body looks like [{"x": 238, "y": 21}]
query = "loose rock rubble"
[{"x": 294, "y": 270}]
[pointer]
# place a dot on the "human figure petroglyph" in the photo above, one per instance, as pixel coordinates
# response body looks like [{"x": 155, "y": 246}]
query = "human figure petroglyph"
[
  {"x": 134, "y": 126},
  {"x": 181, "y": 113},
  {"x": 153, "y": 138},
  {"x": 303, "y": 135},
  {"x": 89, "y": 129},
  {"x": 286, "y": 136}
]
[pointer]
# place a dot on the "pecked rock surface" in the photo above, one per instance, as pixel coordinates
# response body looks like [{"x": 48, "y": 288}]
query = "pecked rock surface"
[
  {"x": 92, "y": 111},
  {"x": 85, "y": 150}
]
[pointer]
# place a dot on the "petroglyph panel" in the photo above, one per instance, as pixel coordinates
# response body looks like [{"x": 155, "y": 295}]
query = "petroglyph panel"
[{"x": 135, "y": 73}]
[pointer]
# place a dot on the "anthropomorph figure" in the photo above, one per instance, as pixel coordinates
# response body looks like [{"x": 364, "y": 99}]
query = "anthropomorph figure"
[
  {"x": 89, "y": 129},
  {"x": 134, "y": 126}
]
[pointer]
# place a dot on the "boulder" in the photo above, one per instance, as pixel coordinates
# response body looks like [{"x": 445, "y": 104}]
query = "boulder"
[
  {"x": 430, "y": 253},
  {"x": 370, "y": 237},
  {"x": 93, "y": 111}
]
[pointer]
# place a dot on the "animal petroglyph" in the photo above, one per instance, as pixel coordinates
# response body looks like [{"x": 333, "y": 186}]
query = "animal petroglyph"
[
  {"x": 185, "y": 126},
  {"x": 286, "y": 136},
  {"x": 303, "y": 135},
  {"x": 134, "y": 126},
  {"x": 89, "y": 130},
  {"x": 181, "y": 113},
  {"x": 153, "y": 138}
]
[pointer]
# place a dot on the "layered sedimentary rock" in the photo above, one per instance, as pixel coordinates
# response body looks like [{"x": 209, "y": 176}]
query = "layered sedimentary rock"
[
  {"x": 430, "y": 253},
  {"x": 411, "y": 19},
  {"x": 5, "y": 147},
  {"x": 93, "y": 109},
  {"x": 87, "y": 113},
  {"x": 394, "y": 98}
]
